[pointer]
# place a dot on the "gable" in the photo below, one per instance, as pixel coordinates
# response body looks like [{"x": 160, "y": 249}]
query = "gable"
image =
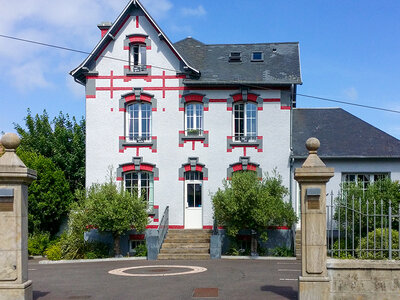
[{"x": 132, "y": 16}]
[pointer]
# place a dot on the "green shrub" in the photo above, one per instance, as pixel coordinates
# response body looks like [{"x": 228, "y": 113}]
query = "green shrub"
[
  {"x": 96, "y": 250},
  {"x": 38, "y": 242},
  {"x": 282, "y": 251},
  {"x": 379, "y": 236},
  {"x": 343, "y": 254},
  {"x": 54, "y": 252},
  {"x": 141, "y": 250}
]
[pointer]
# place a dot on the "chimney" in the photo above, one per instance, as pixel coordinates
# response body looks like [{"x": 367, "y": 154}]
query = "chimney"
[{"x": 104, "y": 26}]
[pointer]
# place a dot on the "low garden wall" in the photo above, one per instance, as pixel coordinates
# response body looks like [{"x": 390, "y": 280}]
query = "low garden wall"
[{"x": 364, "y": 279}]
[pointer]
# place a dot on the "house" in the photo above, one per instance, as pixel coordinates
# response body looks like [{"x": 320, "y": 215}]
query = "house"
[{"x": 175, "y": 119}]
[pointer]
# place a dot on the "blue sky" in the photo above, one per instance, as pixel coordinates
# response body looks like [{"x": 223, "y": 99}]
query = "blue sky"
[{"x": 350, "y": 50}]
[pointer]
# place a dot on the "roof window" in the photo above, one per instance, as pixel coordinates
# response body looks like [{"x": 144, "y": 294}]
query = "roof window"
[
  {"x": 235, "y": 57},
  {"x": 257, "y": 56}
]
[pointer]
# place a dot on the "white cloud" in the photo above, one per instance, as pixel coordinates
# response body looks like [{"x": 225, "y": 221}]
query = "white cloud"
[
  {"x": 193, "y": 12},
  {"x": 28, "y": 76},
  {"x": 77, "y": 90},
  {"x": 351, "y": 93},
  {"x": 157, "y": 8}
]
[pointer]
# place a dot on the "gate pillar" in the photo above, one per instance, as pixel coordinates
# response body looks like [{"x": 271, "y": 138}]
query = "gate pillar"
[
  {"x": 14, "y": 180},
  {"x": 312, "y": 178}
]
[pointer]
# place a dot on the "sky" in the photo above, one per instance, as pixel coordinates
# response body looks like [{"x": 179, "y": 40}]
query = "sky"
[{"x": 349, "y": 49}]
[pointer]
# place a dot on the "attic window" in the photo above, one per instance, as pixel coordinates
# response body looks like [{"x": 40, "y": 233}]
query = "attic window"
[
  {"x": 235, "y": 57},
  {"x": 257, "y": 56}
]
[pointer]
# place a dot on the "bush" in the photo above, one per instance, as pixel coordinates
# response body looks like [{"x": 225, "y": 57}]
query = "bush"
[
  {"x": 379, "y": 236},
  {"x": 141, "y": 250},
  {"x": 54, "y": 252},
  {"x": 246, "y": 202},
  {"x": 343, "y": 253},
  {"x": 38, "y": 242},
  {"x": 96, "y": 250},
  {"x": 282, "y": 251}
]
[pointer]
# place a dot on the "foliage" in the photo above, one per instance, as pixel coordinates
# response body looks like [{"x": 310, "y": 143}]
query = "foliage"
[
  {"x": 141, "y": 250},
  {"x": 282, "y": 252},
  {"x": 248, "y": 202},
  {"x": 96, "y": 250},
  {"x": 379, "y": 192},
  {"x": 343, "y": 253},
  {"x": 49, "y": 196},
  {"x": 381, "y": 238},
  {"x": 111, "y": 209},
  {"x": 38, "y": 242},
  {"x": 54, "y": 252},
  {"x": 62, "y": 140}
]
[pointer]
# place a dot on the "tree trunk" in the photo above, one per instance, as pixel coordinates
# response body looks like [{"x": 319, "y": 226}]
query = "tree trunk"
[{"x": 117, "y": 250}]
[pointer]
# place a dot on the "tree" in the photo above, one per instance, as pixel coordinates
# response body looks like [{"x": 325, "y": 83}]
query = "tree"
[
  {"x": 49, "y": 196},
  {"x": 111, "y": 209},
  {"x": 62, "y": 140},
  {"x": 246, "y": 202}
]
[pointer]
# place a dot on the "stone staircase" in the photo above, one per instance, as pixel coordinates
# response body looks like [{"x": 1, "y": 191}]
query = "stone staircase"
[
  {"x": 298, "y": 244},
  {"x": 186, "y": 244}
]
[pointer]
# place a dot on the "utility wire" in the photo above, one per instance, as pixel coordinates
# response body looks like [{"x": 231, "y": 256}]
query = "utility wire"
[
  {"x": 73, "y": 50},
  {"x": 158, "y": 67}
]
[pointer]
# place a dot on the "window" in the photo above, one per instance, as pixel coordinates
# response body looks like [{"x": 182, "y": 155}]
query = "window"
[
  {"x": 141, "y": 183},
  {"x": 364, "y": 179},
  {"x": 257, "y": 56},
  {"x": 235, "y": 57},
  {"x": 194, "y": 119},
  {"x": 245, "y": 122},
  {"x": 139, "y": 122},
  {"x": 137, "y": 57},
  {"x": 193, "y": 180}
]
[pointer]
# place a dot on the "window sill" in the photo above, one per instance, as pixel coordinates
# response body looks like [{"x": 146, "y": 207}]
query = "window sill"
[
  {"x": 137, "y": 73},
  {"x": 193, "y": 137}
]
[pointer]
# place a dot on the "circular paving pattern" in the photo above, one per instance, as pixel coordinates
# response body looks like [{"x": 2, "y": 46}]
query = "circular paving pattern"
[{"x": 157, "y": 270}]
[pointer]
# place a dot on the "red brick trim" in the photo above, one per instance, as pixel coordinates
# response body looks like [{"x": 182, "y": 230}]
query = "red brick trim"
[
  {"x": 176, "y": 227},
  {"x": 271, "y": 100},
  {"x": 207, "y": 227},
  {"x": 285, "y": 107}
]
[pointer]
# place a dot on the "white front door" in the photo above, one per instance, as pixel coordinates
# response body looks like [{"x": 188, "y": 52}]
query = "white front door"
[{"x": 193, "y": 204}]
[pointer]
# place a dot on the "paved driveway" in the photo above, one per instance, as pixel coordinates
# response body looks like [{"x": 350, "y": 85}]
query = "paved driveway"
[{"x": 229, "y": 279}]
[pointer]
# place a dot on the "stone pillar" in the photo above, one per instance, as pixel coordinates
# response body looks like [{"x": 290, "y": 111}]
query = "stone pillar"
[
  {"x": 14, "y": 180},
  {"x": 312, "y": 177}
]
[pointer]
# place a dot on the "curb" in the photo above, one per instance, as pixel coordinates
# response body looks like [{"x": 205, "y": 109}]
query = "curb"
[
  {"x": 76, "y": 261},
  {"x": 257, "y": 257}
]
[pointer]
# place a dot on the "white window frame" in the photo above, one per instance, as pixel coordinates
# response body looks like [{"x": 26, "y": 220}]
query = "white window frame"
[
  {"x": 138, "y": 188},
  {"x": 140, "y": 64},
  {"x": 143, "y": 135},
  {"x": 197, "y": 179},
  {"x": 371, "y": 176},
  {"x": 197, "y": 114},
  {"x": 245, "y": 136}
]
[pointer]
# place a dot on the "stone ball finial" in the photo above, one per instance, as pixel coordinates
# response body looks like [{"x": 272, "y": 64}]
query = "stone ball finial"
[
  {"x": 312, "y": 144},
  {"x": 10, "y": 141}
]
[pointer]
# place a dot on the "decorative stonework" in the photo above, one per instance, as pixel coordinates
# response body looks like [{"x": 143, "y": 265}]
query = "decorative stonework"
[
  {"x": 137, "y": 165},
  {"x": 244, "y": 96},
  {"x": 244, "y": 164},
  {"x": 137, "y": 94},
  {"x": 193, "y": 97},
  {"x": 193, "y": 165},
  {"x": 256, "y": 144}
]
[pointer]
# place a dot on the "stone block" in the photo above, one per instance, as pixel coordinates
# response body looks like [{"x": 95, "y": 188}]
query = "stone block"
[
  {"x": 313, "y": 290},
  {"x": 8, "y": 232},
  {"x": 16, "y": 291},
  {"x": 315, "y": 230},
  {"x": 8, "y": 265},
  {"x": 316, "y": 260}
]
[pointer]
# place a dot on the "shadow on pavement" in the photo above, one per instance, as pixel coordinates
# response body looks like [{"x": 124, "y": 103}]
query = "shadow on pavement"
[
  {"x": 39, "y": 294},
  {"x": 285, "y": 291}
]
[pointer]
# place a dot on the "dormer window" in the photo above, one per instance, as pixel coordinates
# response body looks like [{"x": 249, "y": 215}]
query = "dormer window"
[
  {"x": 235, "y": 57},
  {"x": 137, "y": 57},
  {"x": 257, "y": 56}
]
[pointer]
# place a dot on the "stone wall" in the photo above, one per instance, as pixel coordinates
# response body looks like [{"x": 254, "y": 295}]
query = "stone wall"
[{"x": 364, "y": 279}]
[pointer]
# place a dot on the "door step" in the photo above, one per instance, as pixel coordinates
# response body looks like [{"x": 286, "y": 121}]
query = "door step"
[{"x": 186, "y": 244}]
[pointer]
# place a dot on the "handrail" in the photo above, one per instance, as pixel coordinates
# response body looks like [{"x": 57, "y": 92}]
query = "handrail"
[{"x": 163, "y": 227}]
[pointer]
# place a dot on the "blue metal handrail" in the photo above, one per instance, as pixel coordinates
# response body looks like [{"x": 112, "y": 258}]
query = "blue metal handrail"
[{"x": 163, "y": 227}]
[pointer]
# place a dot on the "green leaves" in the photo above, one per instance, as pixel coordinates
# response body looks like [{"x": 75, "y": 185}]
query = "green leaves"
[
  {"x": 49, "y": 196},
  {"x": 246, "y": 202}
]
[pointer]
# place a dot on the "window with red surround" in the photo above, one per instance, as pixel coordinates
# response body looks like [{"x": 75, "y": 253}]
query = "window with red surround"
[{"x": 244, "y": 164}]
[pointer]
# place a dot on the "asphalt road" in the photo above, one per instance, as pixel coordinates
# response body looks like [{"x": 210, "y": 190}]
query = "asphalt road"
[{"x": 230, "y": 279}]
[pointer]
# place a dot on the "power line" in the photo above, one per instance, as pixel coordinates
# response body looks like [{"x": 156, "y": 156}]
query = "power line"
[
  {"x": 73, "y": 50},
  {"x": 162, "y": 68}
]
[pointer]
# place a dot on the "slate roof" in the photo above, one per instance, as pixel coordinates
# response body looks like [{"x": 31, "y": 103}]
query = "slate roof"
[
  {"x": 342, "y": 135},
  {"x": 281, "y": 64}
]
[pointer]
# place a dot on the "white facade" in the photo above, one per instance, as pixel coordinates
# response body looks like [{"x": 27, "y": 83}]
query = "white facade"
[{"x": 105, "y": 124}]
